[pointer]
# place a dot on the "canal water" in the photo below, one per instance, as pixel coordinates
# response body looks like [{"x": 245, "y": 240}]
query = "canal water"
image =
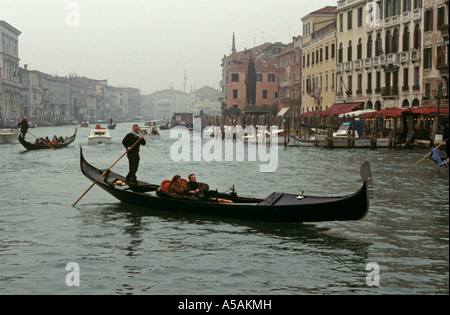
[{"x": 46, "y": 245}]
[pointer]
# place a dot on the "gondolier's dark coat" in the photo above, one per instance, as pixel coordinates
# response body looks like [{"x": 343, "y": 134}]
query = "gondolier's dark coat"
[
  {"x": 130, "y": 139},
  {"x": 133, "y": 154},
  {"x": 23, "y": 126}
]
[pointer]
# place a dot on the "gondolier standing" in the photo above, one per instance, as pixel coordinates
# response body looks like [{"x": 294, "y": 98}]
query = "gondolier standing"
[
  {"x": 23, "y": 126},
  {"x": 133, "y": 152}
]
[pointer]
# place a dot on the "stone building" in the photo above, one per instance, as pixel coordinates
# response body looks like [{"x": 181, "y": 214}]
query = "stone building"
[
  {"x": 319, "y": 59},
  {"x": 162, "y": 104},
  {"x": 9, "y": 64},
  {"x": 234, "y": 70},
  {"x": 379, "y": 48},
  {"x": 435, "y": 52},
  {"x": 206, "y": 99},
  {"x": 290, "y": 71},
  {"x": 31, "y": 95}
]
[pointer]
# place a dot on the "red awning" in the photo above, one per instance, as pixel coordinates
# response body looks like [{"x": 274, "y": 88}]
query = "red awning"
[
  {"x": 390, "y": 112},
  {"x": 341, "y": 108},
  {"x": 309, "y": 114},
  {"x": 429, "y": 110}
]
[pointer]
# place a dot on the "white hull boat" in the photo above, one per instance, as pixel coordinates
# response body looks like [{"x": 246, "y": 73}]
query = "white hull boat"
[
  {"x": 299, "y": 142},
  {"x": 99, "y": 135},
  {"x": 9, "y": 135}
]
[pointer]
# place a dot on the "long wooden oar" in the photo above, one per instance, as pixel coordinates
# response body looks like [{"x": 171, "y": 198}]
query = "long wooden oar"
[
  {"x": 105, "y": 172},
  {"x": 40, "y": 140},
  {"x": 427, "y": 154}
]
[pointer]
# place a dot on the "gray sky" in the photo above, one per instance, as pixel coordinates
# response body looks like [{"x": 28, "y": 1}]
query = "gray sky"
[{"x": 147, "y": 44}]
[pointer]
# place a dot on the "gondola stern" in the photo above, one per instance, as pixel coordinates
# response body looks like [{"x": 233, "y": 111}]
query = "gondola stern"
[{"x": 366, "y": 176}]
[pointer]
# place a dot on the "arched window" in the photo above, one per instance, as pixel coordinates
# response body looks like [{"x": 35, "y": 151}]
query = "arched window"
[
  {"x": 340, "y": 53},
  {"x": 359, "y": 49},
  {"x": 349, "y": 51},
  {"x": 377, "y": 105},
  {"x": 379, "y": 45},
  {"x": 369, "y": 105},
  {"x": 405, "y": 103},
  {"x": 415, "y": 103},
  {"x": 369, "y": 46},
  {"x": 387, "y": 43},
  {"x": 417, "y": 36},
  {"x": 395, "y": 41},
  {"x": 406, "y": 39}
]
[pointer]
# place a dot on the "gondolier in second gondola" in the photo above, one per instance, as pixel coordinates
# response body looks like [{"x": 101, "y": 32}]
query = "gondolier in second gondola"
[
  {"x": 23, "y": 126},
  {"x": 133, "y": 152}
]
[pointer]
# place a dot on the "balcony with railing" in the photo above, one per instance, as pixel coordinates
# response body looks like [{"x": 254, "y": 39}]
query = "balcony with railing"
[
  {"x": 348, "y": 66},
  {"x": 417, "y": 14},
  {"x": 415, "y": 55},
  {"x": 379, "y": 61},
  {"x": 392, "y": 58},
  {"x": 339, "y": 67},
  {"x": 405, "y": 17},
  {"x": 367, "y": 63},
  {"x": 358, "y": 64},
  {"x": 394, "y": 20},
  {"x": 376, "y": 61},
  {"x": 324, "y": 30},
  {"x": 404, "y": 57}
]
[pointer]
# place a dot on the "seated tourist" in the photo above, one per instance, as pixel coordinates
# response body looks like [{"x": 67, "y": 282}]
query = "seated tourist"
[
  {"x": 177, "y": 186},
  {"x": 194, "y": 188}
]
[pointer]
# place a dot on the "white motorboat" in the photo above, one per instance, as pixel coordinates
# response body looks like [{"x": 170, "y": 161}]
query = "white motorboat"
[
  {"x": 297, "y": 141},
  {"x": 9, "y": 135},
  {"x": 149, "y": 133},
  {"x": 270, "y": 136},
  {"x": 99, "y": 135},
  {"x": 341, "y": 138}
]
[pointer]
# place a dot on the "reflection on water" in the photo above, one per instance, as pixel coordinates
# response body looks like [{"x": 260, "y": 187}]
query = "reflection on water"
[{"x": 123, "y": 249}]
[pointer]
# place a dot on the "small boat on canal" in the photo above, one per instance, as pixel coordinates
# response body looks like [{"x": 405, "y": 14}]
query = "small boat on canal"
[
  {"x": 149, "y": 133},
  {"x": 277, "y": 207},
  {"x": 343, "y": 138},
  {"x": 297, "y": 141},
  {"x": 8, "y": 135},
  {"x": 99, "y": 135},
  {"x": 41, "y": 145}
]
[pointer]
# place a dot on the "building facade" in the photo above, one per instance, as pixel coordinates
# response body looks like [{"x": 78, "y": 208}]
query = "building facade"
[
  {"x": 290, "y": 71},
  {"x": 162, "y": 104},
  {"x": 380, "y": 60},
  {"x": 319, "y": 59},
  {"x": 9, "y": 63},
  {"x": 435, "y": 51},
  {"x": 234, "y": 71},
  {"x": 206, "y": 100}
]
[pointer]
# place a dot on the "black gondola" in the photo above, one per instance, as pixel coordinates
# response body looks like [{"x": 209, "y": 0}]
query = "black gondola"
[
  {"x": 41, "y": 146},
  {"x": 277, "y": 207}
]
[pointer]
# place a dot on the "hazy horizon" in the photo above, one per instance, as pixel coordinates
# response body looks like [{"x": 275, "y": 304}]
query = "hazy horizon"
[{"x": 147, "y": 44}]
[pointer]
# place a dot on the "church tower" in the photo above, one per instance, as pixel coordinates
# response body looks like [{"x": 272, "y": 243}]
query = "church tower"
[{"x": 233, "y": 47}]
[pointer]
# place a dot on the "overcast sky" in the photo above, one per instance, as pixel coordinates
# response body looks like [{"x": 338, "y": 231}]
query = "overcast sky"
[{"x": 147, "y": 44}]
